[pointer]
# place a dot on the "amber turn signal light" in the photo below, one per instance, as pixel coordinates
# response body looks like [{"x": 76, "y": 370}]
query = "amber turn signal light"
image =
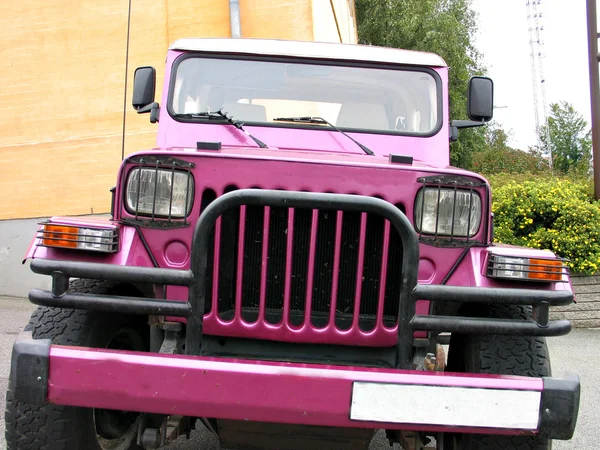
[
  {"x": 60, "y": 236},
  {"x": 546, "y": 269}
]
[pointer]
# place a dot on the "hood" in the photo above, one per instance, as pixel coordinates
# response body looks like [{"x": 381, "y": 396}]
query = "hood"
[{"x": 311, "y": 156}]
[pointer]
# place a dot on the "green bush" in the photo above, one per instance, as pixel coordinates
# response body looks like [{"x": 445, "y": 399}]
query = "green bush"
[
  {"x": 499, "y": 179},
  {"x": 550, "y": 213}
]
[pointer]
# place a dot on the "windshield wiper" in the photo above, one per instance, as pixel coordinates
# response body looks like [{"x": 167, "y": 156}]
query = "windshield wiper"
[
  {"x": 220, "y": 115},
  {"x": 313, "y": 119}
]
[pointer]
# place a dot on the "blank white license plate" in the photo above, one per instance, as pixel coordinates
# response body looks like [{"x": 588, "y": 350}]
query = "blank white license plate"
[{"x": 441, "y": 405}]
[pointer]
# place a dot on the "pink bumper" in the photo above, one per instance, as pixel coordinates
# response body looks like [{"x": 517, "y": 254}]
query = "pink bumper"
[
  {"x": 290, "y": 392},
  {"x": 242, "y": 390}
]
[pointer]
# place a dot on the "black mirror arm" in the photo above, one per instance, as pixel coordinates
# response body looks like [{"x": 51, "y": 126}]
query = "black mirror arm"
[
  {"x": 152, "y": 108},
  {"x": 147, "y": 108},
  {"x": 466, "y": 124},
  {"x": 453, "y": 133}
]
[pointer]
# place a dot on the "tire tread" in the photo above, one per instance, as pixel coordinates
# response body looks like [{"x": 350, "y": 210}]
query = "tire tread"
[
  {"x": 503, "y": 355},
  {"x": 53, "y": 427}
]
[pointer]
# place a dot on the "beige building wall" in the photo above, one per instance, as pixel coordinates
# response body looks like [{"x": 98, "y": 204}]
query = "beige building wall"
[
  {"x": 334, "y": 21},
  {"x": 62, "y": 68}
]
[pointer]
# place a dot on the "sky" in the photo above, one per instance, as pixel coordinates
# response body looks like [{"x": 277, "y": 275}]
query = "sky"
[{"x": 503, "y": 39}]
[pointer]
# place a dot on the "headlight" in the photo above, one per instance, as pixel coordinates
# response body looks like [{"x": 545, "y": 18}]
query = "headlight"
[
  {"x": 162, "y": 193},
  {"x": 448, "y": 212}
]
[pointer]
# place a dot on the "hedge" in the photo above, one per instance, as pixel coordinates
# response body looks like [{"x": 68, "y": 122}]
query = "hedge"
[{"x": 549, "y": 213}]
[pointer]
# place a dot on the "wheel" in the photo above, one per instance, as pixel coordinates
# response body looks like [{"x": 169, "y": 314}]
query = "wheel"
[
  {"x": 501, "y": 355},
  {"x": 54, "y": 427}
]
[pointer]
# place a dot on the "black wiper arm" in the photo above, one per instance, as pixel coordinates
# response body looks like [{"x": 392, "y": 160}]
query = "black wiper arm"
[
  {"x": 240, "y": 127},
  {"x": 220, "y": 115},
  {"x": 200, "y": 115},
  {"x": 313, "y": 119}
]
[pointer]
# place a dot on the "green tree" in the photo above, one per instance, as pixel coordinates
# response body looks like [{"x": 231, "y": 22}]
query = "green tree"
[
  {"x": 444, "y": 27},
  {"x": 570, "y": 140},
  {"x": 499, "y": 157}
]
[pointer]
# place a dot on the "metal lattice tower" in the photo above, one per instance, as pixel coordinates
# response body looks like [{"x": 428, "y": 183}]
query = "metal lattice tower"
[
  {"x": 534, "y": 80},
  {"x": 534, "y": 19}
]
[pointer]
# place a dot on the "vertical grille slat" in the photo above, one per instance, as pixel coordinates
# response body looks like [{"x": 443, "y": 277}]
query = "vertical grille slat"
[
  {"x": 303, "y": 267},
  {"x": 253, "y": 245},
  {"x": 311, "y": 265},
  {"x": 240, "y": 263},
  {"x": 302, "y": 222},
  {"x": 360, "y": 265},
  {"x": 288, "y": 267},
  {"x": 226, "y": 255},
  {"x": 392, "y": 284},
  {"x": 336, "y": 267},
  {"x": 347, "y": 272},
  {"x": 276, "y": 269},
  {"x": 383, "y": 274},
  {"x": 323, "y": 268},
  {"x": 208, "y": 196},
  {"x": 372, "y": 269},
  {"x": 264, "y": 264},
  {"x": 216, "y": 267}
]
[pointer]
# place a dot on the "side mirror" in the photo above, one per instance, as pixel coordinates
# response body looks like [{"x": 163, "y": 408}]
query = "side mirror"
[
  {"x": 144, "y": 85},
  {"x": 480, "y": 107}
]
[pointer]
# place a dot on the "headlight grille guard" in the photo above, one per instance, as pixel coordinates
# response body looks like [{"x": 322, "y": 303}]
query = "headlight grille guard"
[
  {"x": 156, "y": 163},
  {"x": 455, "y": 182}
]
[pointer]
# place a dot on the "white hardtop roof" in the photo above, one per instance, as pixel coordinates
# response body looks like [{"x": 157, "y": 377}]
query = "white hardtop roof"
[{"x": 304, "y": 49}]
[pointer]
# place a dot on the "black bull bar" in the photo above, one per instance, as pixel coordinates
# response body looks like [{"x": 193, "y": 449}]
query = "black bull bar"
[{"x": 195, "y": 279}]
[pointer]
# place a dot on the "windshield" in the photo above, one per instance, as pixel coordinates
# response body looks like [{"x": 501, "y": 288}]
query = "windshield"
[{"x": 371, "y": 99}]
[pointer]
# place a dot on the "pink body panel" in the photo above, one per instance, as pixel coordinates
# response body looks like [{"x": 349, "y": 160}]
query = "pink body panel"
[{"x": 236, "y": 389}]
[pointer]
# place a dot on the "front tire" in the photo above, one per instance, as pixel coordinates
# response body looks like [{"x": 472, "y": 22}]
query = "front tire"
[
  {"x": 501, "y": 355},
  {"x": 55, "y": 427}
]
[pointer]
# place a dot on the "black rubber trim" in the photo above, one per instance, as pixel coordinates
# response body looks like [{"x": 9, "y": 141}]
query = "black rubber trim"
[
  {"x": 477, "y": 294},
  {"x": 29, "y": 369},
  {"x": 487, "y": 326},
  {"x": 103, "y": 271},
  {"x": 560, "y": 407},
  {"x": 202, "y": 145},
  {"x": 401, "y": 159}
]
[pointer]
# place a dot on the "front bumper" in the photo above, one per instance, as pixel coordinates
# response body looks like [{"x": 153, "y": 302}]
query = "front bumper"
[{"x": 292, "y": 393}]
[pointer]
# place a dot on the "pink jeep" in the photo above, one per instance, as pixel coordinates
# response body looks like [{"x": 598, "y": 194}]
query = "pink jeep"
[{"x": 286, "y": 268}]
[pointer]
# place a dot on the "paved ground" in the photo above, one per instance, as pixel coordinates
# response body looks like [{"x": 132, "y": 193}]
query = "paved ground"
[{"x": 569, "y": 354}]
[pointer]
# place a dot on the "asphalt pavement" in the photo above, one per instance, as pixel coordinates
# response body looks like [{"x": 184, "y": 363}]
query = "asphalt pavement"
[{"x": 573, "y": 353}]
